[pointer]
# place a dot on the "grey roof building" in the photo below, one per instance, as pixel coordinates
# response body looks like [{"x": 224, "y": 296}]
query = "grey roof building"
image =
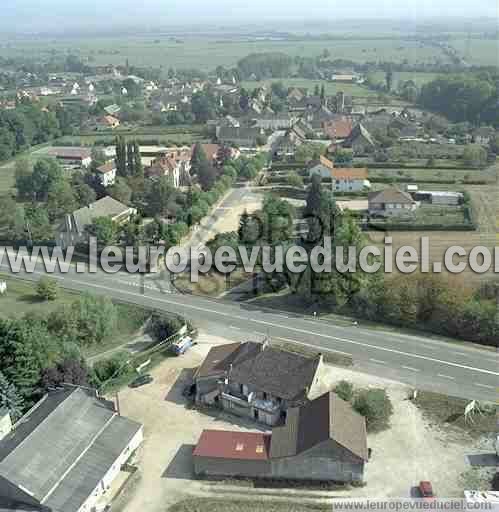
[
  {"x": 73, "y": 229},
  {"x": 323, "y": 440},
  {"x": 257, "y": 380},
  {"x": 64, "y": 454}
]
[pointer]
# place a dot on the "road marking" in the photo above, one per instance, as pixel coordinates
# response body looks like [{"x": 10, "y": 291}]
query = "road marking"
[
  {"x": 310, "y": 346},
  {"x": 377, "y": 361},
  {"x": 261, "y": 333},
  {"x": 411, "y": 369},
  {"x": 234, "y": 327},
  {"x": 445, "y": 376},
  {"x": 484, "y": 385},
  {"x": 271, "y": 324}
]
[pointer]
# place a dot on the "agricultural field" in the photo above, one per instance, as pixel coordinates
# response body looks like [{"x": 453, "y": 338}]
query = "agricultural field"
[
  {"x": 357, "y": 91},
  {"x": 478, "y": 52},
  {"x": 418, "y": 78},
  {"x": 428, "y": 175},
  {"x": 208, "y": 53}
]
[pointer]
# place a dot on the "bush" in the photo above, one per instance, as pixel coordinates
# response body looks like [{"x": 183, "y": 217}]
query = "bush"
[
  {"x": 162, "y": 326},
  {"x": 375, "y": 406},
  {"x": 344, "y": 390},
  {"x": 110, "y": 368},
  {"x": 47, "y": 289}
]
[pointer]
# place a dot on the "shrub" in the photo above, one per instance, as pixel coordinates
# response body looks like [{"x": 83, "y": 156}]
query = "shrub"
[
  {"x": 47, "y": 289},
  {"x": 162, "y": 326},
  {"x": 344, "y": 390},
  {"x": 375, "y": 406}
]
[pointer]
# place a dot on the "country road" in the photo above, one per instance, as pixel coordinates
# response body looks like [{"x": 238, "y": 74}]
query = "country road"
[{"x": 425, "y": 363}]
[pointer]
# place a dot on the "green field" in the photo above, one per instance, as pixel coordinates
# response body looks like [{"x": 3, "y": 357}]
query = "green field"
[
  {"x": 207, "y": 53},
  {"x": 418, "y": 78},
  {"x": 478, "y": 52},
  {"x": 331, "y": 88},
  {"x": 7, "y": 173}
]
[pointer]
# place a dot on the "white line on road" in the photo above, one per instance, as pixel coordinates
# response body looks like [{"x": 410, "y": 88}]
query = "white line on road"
[
  {"x": 445, "y": 376},
  {"x": 307, "y": 345},
  {"x": 271, "y": 324},
  {"x": 234, "y": 327},
  {"x": 378, "y": 361},
  {"x": 410, "y": 368},
  {"x": 484, "y": 385}
]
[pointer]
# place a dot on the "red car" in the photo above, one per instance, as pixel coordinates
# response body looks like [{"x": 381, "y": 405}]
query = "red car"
[{"x": 426, "y": 490}]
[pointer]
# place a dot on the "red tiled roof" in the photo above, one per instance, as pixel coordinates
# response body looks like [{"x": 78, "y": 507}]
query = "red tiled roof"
[
  {"x": 233, "y": 445},
  {"x": 210, "y": 150},
  {"x": 354, "y": 173},
  {"x": 108, "y": 167}
]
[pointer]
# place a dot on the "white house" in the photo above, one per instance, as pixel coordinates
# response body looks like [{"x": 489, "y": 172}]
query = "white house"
[
  {"x": 391, "y": 202},
  {"x": 107, "y": 173}
]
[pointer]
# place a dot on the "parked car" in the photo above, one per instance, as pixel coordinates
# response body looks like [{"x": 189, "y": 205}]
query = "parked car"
[
  {"x": 182, "y": 346},
  {"x": 141, "y": 381},
  {"x": 426, "y": 490}
]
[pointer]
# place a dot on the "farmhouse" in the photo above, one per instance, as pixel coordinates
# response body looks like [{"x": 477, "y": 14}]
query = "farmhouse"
[
  {"x": 338, "y": 129},
  {"x": 107, "y": 173},
  {"x": 108, "y": 122},
  {"x": 257, "y": 381},
  {"x": 73, "y": 230},
  {"x": 391, "y": 202},
  {"x": 323, "y": 440},
  {"x": 65, "y": 453},
  {"x": 72, "y": 156}
]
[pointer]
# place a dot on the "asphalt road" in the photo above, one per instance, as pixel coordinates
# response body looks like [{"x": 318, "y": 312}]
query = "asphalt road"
[{"x": 425, "y": 363}]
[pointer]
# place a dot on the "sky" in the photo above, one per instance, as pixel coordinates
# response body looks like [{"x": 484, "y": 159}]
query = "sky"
[{"x": 41, "y": 15}]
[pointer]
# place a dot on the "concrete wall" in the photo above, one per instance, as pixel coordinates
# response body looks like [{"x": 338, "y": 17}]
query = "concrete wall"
[
  {"x": 5, "y": 425},
  {"x": 207, "y": 466}
]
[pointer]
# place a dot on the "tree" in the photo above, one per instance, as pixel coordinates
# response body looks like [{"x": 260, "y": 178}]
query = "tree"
[
  {"x": 160, "y": 196},
  {"x": 121, "y": 157},
  {"x": 121, "y": 191},
  {"x": 61, "y": 200},
  {"x": 12, "y": 219},
  {"x": 323, "y": 94},
  {"x": 38, "y": 225},
  {"x": 24, "y": 183},
  {"x": 47, "y": 175},
  {"x": 309, "y": 152},
  {"x": 475, "y": 156},
  {"x": 207, "y": 175},
  {"x": 104, "y": 230},
  {"x": 10, "y": 398},
  {"x": 47, "y": 289},
  {"x": 84, "y": 193},
  {"x": 137, "y": 161},
  {"x": 375, "y": 406},
  {"x": 295, "y": 180},
  {"x": 344, "y": 390},
  {"x": 95, "y": 318},
  {"x": 69, "y": 371},
  {"x": 389, "y": 79}
]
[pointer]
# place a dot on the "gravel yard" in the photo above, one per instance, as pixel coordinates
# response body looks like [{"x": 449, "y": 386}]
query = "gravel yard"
[{"x": 408, "y": 452}]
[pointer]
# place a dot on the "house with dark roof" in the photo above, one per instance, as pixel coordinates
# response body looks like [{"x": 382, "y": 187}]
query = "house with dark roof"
[
  {"x": 65, "y": 453},
  {"x": 72, "y": 156},
  {"x": 322, "y": 440},
  {"x": 257, "y": 381},
  {"x": 360, "y": 141},
  {"x": 391, "y": 202}
]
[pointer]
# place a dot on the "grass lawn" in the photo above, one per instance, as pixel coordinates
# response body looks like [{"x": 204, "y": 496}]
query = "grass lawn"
[
  {"x": 447, "y": 411},
  {"x": 7, "y": 174},
  {"x": 21, "y": 299},
  {"x": 213, "y": 505}
]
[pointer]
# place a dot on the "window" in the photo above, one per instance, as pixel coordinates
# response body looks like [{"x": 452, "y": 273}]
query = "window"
[
  {"x": 239, "y": 447},
  {"x": 259, "y": 448}
]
